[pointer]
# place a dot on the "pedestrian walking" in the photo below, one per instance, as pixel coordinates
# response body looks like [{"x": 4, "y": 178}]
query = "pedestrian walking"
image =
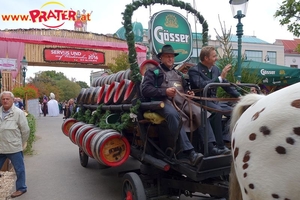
[{"x": 14, "y": 134}]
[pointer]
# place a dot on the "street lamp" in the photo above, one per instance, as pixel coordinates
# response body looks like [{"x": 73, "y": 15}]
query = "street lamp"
[
  {"x": 239, "y": 8},
  {"x": 24, "y": 65}
]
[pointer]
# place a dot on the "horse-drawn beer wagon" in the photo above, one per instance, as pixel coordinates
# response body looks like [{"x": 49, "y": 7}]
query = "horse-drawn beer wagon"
[{"x": 114, "y": 122}]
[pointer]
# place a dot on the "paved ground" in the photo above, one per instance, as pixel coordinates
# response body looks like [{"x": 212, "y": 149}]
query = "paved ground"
[{"x": 54, "y": 171}]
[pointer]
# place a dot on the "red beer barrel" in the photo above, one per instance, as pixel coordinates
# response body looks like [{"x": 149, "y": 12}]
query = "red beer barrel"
[
  {"x": 130, "y": 93},
  {"x": 120, "y": 92},
  {"x": 147, "y": 64},
  {"x": 86, "y": 141},
  {"x": 81, "y": 132},
  {"x": 66, "y": 125},
  {"x": 110, "y": 148},
  {"x": 109, "y": 96},
  {"x": 102, "y": 93},
  {"x": 73, "y": 130}
]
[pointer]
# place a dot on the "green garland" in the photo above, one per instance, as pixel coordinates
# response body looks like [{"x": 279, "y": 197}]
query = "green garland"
[
  {"x": 98, "y": 117},
  {"x": 125, "y": 122},
  {"x": 127, "y": 15}
]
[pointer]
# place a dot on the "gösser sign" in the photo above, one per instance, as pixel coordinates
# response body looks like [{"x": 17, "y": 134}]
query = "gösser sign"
[{"x": 169, "y": 27}]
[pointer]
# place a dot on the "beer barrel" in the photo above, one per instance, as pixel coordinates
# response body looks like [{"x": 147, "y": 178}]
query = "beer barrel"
[
  {"x": 109, "y": 96},
  {"x": 83, "y": 99},
  {"x": 86, "y": 141},
  {"x": 81, "y": 132},
  {"x": 90, "y": 95},
  {"x": 73, "y": 130},
  {"x": 111, "y": 79},
  {"x": 94, "y": 82},
  {"x": 130, "y": 93},
  {"x": 95, "y": 95},
  {"x": 120, "y": 76},
  {"x": 98, "y": 83},
  {"x": 102, "y": 93},
  {"x": 110, "y": 148},
  {"x": 120, "y": 92},
  {"x": 147, "y": 64},
  {"x": 66, "y": 125},
  {"x": 80, "y": 96},
  {"x": 103, "y": 80}
]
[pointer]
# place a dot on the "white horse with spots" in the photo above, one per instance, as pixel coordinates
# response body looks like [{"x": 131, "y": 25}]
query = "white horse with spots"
[{"x": 266, "y": 146}]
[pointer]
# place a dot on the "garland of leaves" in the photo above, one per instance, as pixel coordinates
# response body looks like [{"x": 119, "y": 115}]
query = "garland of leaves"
[
  {"x": 125, "y": 121},
  {"x": 98, "y": 117},
  {"x": 127, "y": 15}
]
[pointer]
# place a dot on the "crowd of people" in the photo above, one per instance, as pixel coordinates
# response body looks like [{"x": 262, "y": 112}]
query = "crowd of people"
[{"x": 52, "y": 108}]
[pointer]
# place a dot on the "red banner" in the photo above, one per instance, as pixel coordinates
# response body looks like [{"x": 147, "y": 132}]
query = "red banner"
[{"x": 74, "y": 56}]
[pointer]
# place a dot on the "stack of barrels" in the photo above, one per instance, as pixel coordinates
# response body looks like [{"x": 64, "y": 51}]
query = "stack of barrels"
[
  {"x": 110, "y": 89},
  {"x": 107, "y": 146}
]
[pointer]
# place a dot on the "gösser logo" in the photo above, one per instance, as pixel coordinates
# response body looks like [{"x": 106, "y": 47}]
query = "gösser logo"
[
  {"x": 265, "y": 72},
  {"x": 170, "y": 27},
  {"x": 56, "y": 14}
]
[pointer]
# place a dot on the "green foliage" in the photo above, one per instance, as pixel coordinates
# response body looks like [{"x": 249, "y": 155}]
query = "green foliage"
[
  {"x": 99, "y": 117},
  {"x": 127, "y": 15},
  {"x": 69, "y": 89},
  {"x": 56, "y": 82},
  {"x": 228, "y": 58},
  {"x": 121, "y": 63},
  {"x": 289, "y": 14},
  {"x": 55, "y": 75},
  {"x": 31, "y": 139},
  {"x": 82, "y": 84},
  {"x": 28, "y": 90}
]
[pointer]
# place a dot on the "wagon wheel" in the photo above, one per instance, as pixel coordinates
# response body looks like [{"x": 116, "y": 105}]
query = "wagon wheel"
[
  {"x": 133, "y": 188},
  {"x": 84, "y": 159}
]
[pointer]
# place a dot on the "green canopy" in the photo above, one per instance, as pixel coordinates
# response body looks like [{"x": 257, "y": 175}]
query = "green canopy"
[{"x": 272, "y": 74}]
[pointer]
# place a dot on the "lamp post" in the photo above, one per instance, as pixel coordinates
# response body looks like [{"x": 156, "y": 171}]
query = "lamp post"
[
  {"x": 239, "y": 8},
  {"x": 24, "y": 65}
]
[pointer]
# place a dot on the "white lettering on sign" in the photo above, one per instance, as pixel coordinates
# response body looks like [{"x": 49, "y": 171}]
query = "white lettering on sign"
[
  {"x": 265, "y": 72},
  {"x": 162, "y": 36},
  {"x": 72, "y": 54}
]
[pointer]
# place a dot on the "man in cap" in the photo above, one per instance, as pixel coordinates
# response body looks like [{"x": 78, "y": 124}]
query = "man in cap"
[{"x": 163, "y": 83}]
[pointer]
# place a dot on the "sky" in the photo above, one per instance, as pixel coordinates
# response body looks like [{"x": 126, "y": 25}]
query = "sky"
[{"x": 106, "y": 18}]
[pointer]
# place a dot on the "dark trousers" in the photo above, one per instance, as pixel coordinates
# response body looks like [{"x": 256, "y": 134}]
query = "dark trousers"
[
  {"x": 45, "y": 109},
  {"x": 173, "y": 119},
  {"x": 216, "y": 120}
]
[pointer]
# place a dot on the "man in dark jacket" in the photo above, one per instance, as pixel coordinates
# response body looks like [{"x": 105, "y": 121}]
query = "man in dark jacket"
[{"x": 206, "y": 72}]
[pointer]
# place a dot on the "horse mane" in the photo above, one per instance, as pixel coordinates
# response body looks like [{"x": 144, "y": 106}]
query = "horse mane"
[{"x": 245, "y": 102}]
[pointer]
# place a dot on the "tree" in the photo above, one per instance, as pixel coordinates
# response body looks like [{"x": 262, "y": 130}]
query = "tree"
[
  {"x": 56, "y": 82},
  {"x": 29, "y": 91},
  {"x": 82, "y": 84},
  {"x": 121, "y": 63},
  {"x": 289, "y": 12},
  {"x": 228, "y": 57},
  {"x": 68, "y": 89}
]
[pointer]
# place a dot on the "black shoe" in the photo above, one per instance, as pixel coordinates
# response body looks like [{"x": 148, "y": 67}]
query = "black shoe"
[
  {"x": 219, "y": 151},
  {"x": 195, "y": 158}
]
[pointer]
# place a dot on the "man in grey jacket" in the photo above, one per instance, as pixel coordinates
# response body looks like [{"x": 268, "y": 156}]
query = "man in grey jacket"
[{"x": 14, "y": 132}]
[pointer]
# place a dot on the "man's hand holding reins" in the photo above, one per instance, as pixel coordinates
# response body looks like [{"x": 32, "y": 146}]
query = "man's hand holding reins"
[{"x": 171, "y": 92}]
